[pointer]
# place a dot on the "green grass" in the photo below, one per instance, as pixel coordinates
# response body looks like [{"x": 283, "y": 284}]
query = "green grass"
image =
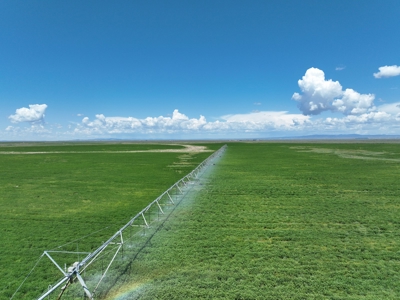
[
  {"x": 279, "y": 221},
  {"x": 51, "y": 199}
]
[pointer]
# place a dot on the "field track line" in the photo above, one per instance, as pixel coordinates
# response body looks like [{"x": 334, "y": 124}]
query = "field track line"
[{"x": 187, "y": 149}]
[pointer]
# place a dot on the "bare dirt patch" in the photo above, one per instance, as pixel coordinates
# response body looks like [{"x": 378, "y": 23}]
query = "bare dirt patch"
[
  {"x": 353, "y": 154},
  {"x": 186, "y": 149}
]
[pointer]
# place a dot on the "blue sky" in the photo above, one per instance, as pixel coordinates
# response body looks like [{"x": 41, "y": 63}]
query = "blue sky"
[{"x": 198, "y": 69}]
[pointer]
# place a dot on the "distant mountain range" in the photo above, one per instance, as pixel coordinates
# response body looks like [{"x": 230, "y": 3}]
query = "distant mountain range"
[{"x": 340, "y": 137}]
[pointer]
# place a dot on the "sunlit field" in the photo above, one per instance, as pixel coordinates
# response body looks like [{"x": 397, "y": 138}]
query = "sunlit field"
[
  {"x": 52, "y": 194},
  {"x": 282, "y": 221}
]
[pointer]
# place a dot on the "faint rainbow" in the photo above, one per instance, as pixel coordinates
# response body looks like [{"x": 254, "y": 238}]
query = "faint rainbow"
[{"x": 127, "y": 291}]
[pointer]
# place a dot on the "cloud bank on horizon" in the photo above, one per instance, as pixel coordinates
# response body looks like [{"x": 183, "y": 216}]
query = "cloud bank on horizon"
[
  {"x": 356, "y": 112},
  {"x": 180, "y": 123}
]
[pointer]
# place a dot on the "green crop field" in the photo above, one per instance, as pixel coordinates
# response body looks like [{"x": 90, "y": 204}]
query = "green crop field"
[
  {"x": 70, "y": 190},
  {"x": 282, "y": 221}
]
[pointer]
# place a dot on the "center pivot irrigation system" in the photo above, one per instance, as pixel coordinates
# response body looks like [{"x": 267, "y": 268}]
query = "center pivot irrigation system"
[{"x": 103, "y": 268}]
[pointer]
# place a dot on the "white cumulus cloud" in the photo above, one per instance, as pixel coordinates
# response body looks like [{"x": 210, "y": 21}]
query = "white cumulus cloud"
[
  {"x": 353, "y": 102},
  {"x": 33, "y": 114},
  {"x": 319, "y": 94},
  {"x": 388, "y": 71}
]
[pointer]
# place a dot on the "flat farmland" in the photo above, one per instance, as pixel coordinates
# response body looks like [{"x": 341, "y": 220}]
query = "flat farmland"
[
  {"x": 282, "y": 221},
  {"x": 53, "y": 194}
]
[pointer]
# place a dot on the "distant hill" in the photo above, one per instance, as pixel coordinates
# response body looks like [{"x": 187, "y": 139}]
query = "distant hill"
[{"x": 341, "y": 137}]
